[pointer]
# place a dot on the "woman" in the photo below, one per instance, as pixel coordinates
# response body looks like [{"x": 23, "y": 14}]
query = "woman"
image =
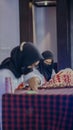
[
  {"x": 46, "y": 65},
  {"x": 23, "y": 60},
  {"x": 18, "y": 68}
]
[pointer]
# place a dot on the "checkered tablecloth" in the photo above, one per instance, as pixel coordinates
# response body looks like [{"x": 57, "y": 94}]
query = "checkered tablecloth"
[{"x": 37, "y": 112}]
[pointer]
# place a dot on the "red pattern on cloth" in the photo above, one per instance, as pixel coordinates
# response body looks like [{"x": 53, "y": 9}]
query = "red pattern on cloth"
[{"x": 61, "y": 79}]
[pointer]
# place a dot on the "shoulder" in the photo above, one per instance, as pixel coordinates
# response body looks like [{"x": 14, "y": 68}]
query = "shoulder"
[{"x": 6, "y": 73}]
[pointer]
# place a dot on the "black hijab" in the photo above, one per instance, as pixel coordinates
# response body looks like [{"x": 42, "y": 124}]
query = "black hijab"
[
  {"x": 44, "y": 68},
  {"x": 30, "y": 55},
  {"x": 12, "y": 62},
  {"x": 21, "y": 57}
]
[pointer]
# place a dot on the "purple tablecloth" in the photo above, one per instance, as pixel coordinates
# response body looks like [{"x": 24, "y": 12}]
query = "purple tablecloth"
[{"x": 37, "y": 111}]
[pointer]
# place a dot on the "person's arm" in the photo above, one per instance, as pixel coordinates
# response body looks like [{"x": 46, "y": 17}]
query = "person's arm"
[
  {"x": 34, "y": 83},
  {"x": 34, "y": 80}
]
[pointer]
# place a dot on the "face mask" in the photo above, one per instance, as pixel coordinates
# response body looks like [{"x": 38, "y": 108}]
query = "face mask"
[
  {"x": 26, "y": 70},
  {"x": 36, "y": 67}
]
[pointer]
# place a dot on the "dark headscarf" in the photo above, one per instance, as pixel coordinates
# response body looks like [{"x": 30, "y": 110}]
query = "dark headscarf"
[
  {"x": 30, "y": 55},
  {"x": 44, "y": 68},
  {"x": 21, "y": 57},
  {"x": 47, "y": 54},
  {"x": 12, "y": 62}
]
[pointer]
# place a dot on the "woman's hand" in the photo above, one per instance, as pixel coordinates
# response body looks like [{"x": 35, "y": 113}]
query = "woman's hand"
[{"x": 34, "y": 83}]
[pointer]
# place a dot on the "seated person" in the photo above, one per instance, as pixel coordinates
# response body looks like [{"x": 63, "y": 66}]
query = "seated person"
[
  {"x": 21, "y": 64},
  {"x": 16, "y": 69},
  {"x": 46, "y": 65}
]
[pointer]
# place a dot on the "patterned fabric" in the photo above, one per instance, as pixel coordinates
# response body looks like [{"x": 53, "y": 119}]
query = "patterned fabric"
[
  {"x": 37, "y": 111},
  {"x": 61, "y": 79}
]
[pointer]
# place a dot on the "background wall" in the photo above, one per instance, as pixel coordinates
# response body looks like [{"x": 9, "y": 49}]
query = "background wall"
[
  {"x": 71, "y": 23},
  {"x": 10, "y": 34},
  {"x": 9, "y": 26},
  {"x": 45, "y": 30},
  {"x": 63, "y": 34}
]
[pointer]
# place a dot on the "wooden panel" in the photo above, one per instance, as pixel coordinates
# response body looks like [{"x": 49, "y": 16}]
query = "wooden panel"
[
  {"x": 26, "y": 24},
  {"x": 63, "y": 34}
]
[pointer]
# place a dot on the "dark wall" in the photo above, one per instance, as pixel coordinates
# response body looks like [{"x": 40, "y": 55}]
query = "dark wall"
[
  {"x": 63, "y": 34},
  {"x": 71, "y": 30}
]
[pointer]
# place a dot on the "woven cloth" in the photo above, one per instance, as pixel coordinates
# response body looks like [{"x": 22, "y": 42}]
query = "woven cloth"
[{"x": 37, "y": 112}]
